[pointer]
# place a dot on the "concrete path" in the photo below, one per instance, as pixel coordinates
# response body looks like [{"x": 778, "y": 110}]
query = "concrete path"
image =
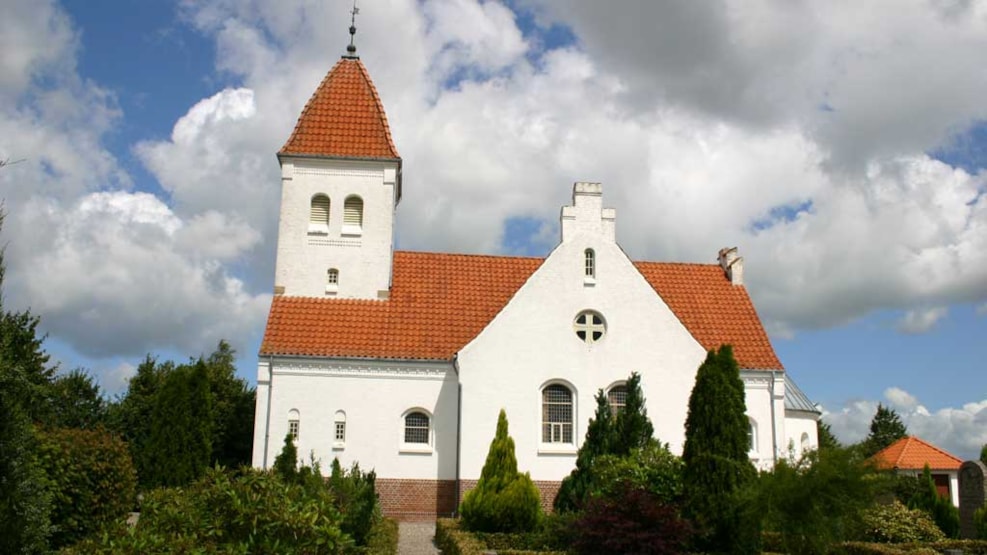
[{"x": 415, "y": 538}]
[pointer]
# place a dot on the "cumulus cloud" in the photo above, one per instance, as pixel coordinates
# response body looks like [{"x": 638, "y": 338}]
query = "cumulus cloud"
[{"x": 960, "y": 430}]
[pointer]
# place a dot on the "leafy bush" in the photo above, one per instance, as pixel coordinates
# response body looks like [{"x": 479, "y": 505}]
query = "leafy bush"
[
  {"x": 653, "y": 468},
  {"x": 813, "y": 503},
  {"x": 635, "y": 522},
  {"x": 504, "y": 500},
  {"x": 91, "y": 478},
  {"x": 896, "y": 523},
  {"x": 356, "y": 499},
  {"x": 249, "y": 512},
  {"x": 382, "y": 540}
]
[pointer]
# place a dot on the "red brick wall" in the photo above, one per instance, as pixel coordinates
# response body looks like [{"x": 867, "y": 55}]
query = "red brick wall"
[{"x": 416, "y": 499}]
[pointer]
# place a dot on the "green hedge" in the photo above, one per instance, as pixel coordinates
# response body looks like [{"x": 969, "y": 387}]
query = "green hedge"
[
  {"x": 969, "y": 547},
  {"x": 382, "y": 540},
  {"x": 453, "y": 541}
]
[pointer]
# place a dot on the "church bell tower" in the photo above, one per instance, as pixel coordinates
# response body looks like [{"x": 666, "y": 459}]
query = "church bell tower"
[{"x": 340, "y": 185}]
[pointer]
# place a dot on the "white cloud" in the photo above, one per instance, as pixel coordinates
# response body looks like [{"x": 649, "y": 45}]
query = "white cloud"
[
  {"x": 960, "y": 430},
  {"x": 921, "y": 321}
]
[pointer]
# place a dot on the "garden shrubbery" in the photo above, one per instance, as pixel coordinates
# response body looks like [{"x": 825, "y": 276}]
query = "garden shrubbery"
[
  {"x": 896, "y": 523},
  {"x": 636, "y": 521},
  {"x": 91, "y": 479},
  {"x": 504, "y": 500}
]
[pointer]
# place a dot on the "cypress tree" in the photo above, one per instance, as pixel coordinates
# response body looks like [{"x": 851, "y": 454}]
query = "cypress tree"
[
  {"x": 632, "y": 428},
  {"x": 504, "y": 500},
  {"x": 717, "y": 467},
  {"x": 600, "y": 437},
  {"x": 179, "y": 446},
  {"x": 286, "y": 463}
]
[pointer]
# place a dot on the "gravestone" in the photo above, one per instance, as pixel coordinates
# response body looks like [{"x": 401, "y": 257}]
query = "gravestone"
[{"x": 973, "y": 492}]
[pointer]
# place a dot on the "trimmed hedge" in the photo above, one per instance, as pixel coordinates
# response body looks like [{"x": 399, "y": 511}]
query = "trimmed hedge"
[
  {"x": 969, "y": 547},
  {"x": 453, "y": 541},
  {"x": 382, "y": 540}
]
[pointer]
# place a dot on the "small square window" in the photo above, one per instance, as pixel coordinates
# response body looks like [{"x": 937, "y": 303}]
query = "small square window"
[
  {"x": 340, "y": 432},
  {"x": 293, "y": 429}
]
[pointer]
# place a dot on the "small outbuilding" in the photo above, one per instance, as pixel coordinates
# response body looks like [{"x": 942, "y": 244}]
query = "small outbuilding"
[{"x": 909, "y": 455}]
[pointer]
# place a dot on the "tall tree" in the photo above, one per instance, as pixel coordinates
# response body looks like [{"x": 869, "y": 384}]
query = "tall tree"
[
  {"x": 633, "y": 428},
  {"x": 77, "y": 401},
  {"x": 717, "y": 467},
  {"x": 132, "y": 415},
  {"x": 233, "y": 409},
  {"x": 180, "y": 444},
  {"x": 885, "y": 429}
]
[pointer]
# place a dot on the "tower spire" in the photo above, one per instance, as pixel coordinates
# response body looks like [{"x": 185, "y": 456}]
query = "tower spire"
[{"x": 351, "y": 49}]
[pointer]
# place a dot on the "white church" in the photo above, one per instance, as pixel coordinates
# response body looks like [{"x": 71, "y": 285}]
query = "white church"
[{"x": 401, "y": 361}]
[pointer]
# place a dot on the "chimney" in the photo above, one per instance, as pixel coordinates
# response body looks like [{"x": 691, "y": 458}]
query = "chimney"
[{"x": 733, "y": 265}]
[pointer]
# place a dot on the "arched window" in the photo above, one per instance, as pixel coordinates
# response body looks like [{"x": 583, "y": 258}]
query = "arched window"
[
  {"x": 332, "y": 280},
  {"x": 805, "y": 443},
  {"x": 352, "y": 214},
  {"x": 556, "y": 414},
  {"x": 590, "y": 263},
  {"x": 294, "y": 423},
  {"x": 617, "y": 397},
  {"x": 318, "y": 221},
  {"x": 339, "y": 435},
  {"x": 751, "y": 435},
  {"x": 416, "y": 428}
]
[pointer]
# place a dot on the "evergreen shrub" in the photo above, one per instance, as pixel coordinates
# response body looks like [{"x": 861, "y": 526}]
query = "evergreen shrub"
[
  {"x": 653, "y": 468},
  {"x": 356, "y": 499},
  {"x": 941, "y": 509},
  {"x": 896, "y": 523},
  {"x": 91, "y": 479},
  {"x": 980, "y": 522},
  {"x": 286, "y": 463},
  {"x": 504, "y": 500}
]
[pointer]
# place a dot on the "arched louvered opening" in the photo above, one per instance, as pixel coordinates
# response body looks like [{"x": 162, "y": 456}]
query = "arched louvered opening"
[
  {"x": 353, "y": 214},
  {"x": 319, "y": 213}
]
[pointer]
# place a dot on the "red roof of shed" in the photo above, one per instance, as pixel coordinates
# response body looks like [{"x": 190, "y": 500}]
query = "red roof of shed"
[{"x": 911, "y": 453}]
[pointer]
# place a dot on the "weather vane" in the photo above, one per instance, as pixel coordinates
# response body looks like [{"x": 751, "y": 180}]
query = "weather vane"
[{"x": 351, "y": 49}]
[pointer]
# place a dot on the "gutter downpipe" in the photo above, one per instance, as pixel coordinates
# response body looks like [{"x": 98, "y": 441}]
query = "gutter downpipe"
[
  {"x": 270, "y": 392},
  {"x": 459, "y": 425},
  {"x": 774, "y": 429}
]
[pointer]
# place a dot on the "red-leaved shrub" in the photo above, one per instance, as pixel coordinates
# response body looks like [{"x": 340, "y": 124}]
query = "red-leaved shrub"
[{"x": 636, "y": 522}]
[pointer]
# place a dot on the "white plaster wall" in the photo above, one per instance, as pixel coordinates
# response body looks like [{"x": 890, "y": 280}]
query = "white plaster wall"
[
  {"x": 363, "y": 260},
  {"x": 764, "y": 396},
  {"x": 796, "y": 424},
  {"x": 260, "y": 414},
  {"x": 532, "y": 342},
  {"x": 374, "y": 396}
]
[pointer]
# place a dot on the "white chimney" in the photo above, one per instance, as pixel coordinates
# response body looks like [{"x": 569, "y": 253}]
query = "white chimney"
[{"x": 733, "y": 265}]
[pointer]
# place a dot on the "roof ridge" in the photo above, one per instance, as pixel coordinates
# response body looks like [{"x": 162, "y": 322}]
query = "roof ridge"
[{"x": 471, "y": 255}]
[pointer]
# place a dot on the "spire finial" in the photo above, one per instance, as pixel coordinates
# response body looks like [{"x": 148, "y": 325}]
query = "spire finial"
[{"x": 351, "y": 49}]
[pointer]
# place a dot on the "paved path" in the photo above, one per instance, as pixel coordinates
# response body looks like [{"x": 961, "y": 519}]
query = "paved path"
[{"x": 415, "y": 538}]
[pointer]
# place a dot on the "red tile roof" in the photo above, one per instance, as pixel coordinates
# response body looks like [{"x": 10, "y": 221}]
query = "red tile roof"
[
  {"x": 440, "y": 302},
  {"x": 343, "y": 118},
  {"x": 911, "y": 453}
]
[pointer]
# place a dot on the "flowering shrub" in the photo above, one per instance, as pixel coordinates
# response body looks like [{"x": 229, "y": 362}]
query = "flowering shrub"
[{"x": 895, "y": 523}]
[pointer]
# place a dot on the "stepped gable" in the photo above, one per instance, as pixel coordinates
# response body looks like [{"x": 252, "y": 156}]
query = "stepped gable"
[
  {"x": 344, "y": 118},
  {"x": 715, "y": 311},
  {"x": 440, "y": 302},
  {"x": 911, "y": 453}
]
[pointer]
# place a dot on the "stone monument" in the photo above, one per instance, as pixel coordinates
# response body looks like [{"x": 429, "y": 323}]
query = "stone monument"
[{"x": 973, "y": 492}]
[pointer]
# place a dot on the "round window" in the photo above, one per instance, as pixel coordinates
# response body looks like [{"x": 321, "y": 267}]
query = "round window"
[{"x": 589, "y": 326}]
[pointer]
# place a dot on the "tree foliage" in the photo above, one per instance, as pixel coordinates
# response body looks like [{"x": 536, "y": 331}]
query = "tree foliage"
[
  {"x": 77, "y": 401},
  {"x": 91, "y": 479},
  {"x": 504, "y": 500},
  {"x": 355, "y": 495},
  {"x": 941, "y": 509},
  {"x": 885, "y": 428},
  {"x": 652, "y": 468},
  {"x": 286, "y": 463},
  {"x": 827, "y": 441},
  {"x": 896, "y": 523},
  {"x": 983, "y": 454},
  {"x": 636, "y": 521},
  {"x": 717, "y": 467},
  {"x": 815, "y": 502},
  {"x": 607, "y": 435}
]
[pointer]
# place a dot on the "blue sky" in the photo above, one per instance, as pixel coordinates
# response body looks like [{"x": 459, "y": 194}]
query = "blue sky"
[{"x": 845, "y": 159}]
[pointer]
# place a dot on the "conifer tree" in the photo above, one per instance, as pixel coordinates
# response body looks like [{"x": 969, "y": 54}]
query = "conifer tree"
[
  {"x": 286, "y": 463},
  {"x": 885, "y": 428},
  {"x": 826, "y": 438},
  {"x": 983, "y": 454},
  {"x": 632, "y": 428},
  {"x": 717, "y": 467},
  {"x": 600, "y": 437},
  {"x": 504, "y": 500},
  {"x": 179, "y": 446}
]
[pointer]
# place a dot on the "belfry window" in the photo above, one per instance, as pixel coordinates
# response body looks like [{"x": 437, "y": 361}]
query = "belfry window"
[
  {"x": 353, "y": 215},
  {"x": 589, "y": 326},
  {"x": 318, "y": 221},
  {"x": 590, "y": 263},
  {"x": 339, "y": 434}
]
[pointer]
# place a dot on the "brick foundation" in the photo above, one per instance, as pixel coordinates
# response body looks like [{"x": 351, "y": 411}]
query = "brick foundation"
[
  {"x": 410, "y": 500},
  {"x": 417, "y": 499}
]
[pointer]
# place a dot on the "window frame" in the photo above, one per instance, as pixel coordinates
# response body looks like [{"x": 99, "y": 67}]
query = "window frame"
[
  {"x": 416, "y": 447},
  {"x": 337, "y": 441},
  {"x": 589, "y": 266},
  {"x": 613, "y": 407},
  {"x": 589, "y": 328},
  {"x": 332, "y": 280},
  {"x": 294, "y": 424},
  {"x": 562, "y": 447},
  {"x": 752, "y": 438}
]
